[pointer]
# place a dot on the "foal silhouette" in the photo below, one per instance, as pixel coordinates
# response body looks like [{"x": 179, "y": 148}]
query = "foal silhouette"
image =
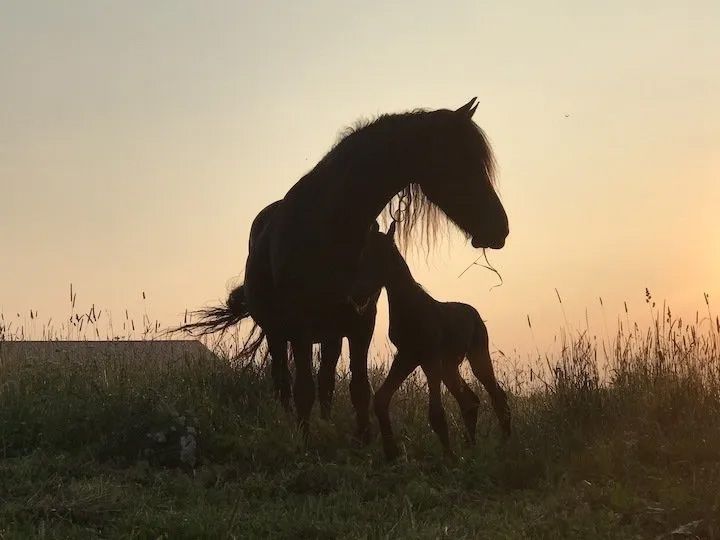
[{"x": 436, "y": 336}]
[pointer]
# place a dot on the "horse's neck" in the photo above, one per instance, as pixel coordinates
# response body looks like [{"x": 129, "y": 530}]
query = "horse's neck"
[
  {"x": 402, "y": 289},
  {"x": 319, "y": 236},
  {"x": 330, "y": 211},
  {"x": 355, "y": 182}
]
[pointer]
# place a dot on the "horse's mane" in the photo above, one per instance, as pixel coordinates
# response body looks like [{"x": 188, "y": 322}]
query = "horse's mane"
[{"x": 411, "y": 208}]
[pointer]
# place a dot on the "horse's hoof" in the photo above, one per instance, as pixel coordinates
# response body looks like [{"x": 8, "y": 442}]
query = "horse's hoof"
[{"x": 363, "y": 437}]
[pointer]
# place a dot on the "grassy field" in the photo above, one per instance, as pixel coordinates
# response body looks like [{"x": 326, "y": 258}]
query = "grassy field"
[{"x": 196, "y": 449}]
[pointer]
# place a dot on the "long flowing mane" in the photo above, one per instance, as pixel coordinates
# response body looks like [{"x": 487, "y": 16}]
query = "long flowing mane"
[{"x": 411, "y": 208}]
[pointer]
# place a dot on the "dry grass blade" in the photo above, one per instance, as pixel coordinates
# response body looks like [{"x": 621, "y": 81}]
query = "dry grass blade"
[{"x": 487, "y": 266}]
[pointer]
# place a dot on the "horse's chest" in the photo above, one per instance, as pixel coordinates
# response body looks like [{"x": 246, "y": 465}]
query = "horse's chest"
[
  {"x": 341, "y": 321},
  {"x": 414, "y": 327}
]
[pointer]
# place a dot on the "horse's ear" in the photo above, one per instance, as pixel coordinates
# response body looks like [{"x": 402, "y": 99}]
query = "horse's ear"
[
  {"x": 468, "y": 109},
  {"x": 375, "y": 227},
  {"x": 391, "y": 230}
]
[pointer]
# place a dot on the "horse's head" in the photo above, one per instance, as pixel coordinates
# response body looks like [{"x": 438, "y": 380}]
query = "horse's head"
[
  {"x": 379, "y": 257},
  {"x": 456, "y": 173}
]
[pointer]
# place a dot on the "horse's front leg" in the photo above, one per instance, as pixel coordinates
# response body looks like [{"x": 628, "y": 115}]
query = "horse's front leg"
[
  {"x": 278, "y": 349},
  {"x": 304, "y": 389},
  {"x": 436, "y": 412},
  {"x": 360, "y": 391},
  {"x": 466, "y": 399},
  {"x": 329, "y": 356},
  {"x": 401, "y": 367}
]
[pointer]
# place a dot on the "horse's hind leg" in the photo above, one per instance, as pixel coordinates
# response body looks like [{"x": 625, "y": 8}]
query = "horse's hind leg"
[
  {"x": 329, "y": 356},
  {"x": 433, "y": 372},
  {"x": 401, "y": 367},
  {"x": 360, "y": 391},
  {"x": 304, "y": 389},
  {"x": 466, "y": 400},
  {"x": 482, "y": 367},
  {"x": 280, "y": 372}
]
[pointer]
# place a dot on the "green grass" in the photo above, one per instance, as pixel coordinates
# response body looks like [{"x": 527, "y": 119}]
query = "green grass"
[{"x": 92, "y": 449}]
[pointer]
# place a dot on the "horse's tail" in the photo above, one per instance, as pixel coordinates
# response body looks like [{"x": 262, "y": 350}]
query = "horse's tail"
[
  {"x": 481, "y": 365},
  {"x": 253, "y": 344},
  {"x": 220, "y": 318}
]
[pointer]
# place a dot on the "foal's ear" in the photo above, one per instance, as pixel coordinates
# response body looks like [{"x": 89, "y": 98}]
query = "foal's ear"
[
  {"x": 391, "y": 230},
  {"x": 468, "y": 109}
]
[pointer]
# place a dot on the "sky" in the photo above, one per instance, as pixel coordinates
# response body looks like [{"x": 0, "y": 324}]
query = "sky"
[{"x": 138, "y": 140}]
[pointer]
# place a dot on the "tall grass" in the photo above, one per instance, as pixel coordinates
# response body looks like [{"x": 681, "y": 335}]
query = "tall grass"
[{"x": 613, "y": 437}]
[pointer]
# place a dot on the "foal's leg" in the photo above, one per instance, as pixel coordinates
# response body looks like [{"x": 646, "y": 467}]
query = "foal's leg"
[
  {"x": 329, "y": 356},
  {"x": 278, "y": 349},
  {"x": 304, "y": 389},
  {"x": 481, "y": 365},
  {"x": 433, "y": 373},
  {"x": 359, "y": 383},
  {"x": 401, "y": 367},
  {"x": 465, "y": 397}
]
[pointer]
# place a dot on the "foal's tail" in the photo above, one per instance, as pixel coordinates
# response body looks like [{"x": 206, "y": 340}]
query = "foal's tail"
[{"x": 481, "y": 365}]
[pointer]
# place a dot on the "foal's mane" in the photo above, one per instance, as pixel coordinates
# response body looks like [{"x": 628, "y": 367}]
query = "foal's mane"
[{"x": 410, "y": 207}]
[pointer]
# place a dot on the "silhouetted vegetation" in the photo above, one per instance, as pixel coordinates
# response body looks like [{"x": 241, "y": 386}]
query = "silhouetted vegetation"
[{"x": 616, "y": 439}]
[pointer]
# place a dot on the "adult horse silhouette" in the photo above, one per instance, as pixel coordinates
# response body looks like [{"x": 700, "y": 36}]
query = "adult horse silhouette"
[
  {"x": 355, "y": 321},
  {"x": 302, "y": 265},
  {"x": 436, "y": 336}
]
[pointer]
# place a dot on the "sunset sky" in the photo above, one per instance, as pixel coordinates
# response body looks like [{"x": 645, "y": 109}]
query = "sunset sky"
[{"x": 138, "y": 140}]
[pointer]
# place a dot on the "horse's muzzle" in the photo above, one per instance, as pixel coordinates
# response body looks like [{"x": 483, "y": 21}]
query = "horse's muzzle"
[{"x": 489, "y": 244}]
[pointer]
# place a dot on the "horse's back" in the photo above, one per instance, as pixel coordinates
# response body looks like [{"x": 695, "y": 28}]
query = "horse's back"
[
  {"x": 459, "y": 322},
  {"x": 415, "y": 325}
]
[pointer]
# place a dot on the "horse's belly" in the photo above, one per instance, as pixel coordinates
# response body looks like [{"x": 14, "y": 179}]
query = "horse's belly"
[{"x": 297, "y": 286}]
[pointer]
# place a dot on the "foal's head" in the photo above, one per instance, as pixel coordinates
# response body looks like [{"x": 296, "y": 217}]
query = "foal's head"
[{"x": 380, "y": 259}]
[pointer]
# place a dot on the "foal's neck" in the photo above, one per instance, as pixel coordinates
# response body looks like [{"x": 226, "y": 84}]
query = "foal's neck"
[{"x": 401, "y": 286}]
